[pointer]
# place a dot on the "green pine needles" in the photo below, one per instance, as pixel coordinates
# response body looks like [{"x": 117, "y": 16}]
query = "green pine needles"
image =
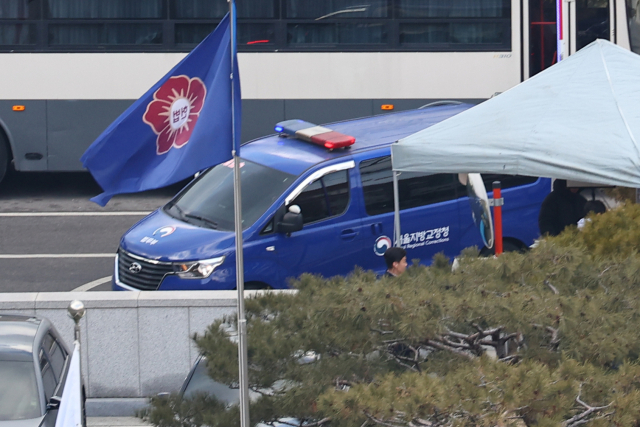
[{"x": 545, "y": 338}]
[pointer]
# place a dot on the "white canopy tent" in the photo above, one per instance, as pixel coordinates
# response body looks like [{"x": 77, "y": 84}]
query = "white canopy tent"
[{"x": 578, "y": 120}]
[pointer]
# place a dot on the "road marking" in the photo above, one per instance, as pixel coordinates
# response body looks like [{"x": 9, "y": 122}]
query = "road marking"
[
  {"x": 130, "y": 213},
  {"x": 92, "y": 285},
  {"x": 27, "y": 256}
]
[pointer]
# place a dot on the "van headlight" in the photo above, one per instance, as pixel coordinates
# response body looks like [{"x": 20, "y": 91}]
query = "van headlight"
[{"x": 197, "y": 269}]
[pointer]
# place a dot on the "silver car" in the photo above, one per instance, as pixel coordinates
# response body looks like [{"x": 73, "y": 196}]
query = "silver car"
[{"x": 34, "y": 362}]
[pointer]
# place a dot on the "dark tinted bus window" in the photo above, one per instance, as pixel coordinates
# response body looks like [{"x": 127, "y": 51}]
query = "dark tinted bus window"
[
  {"x": 248, "y": 34},
  {"x": 212, "y": 9},
  {"x": 325, "y": 197},
  {"x": 414, "y": 189},
  {"x": 362, "y": 33},
  {"x": 105, "y": 34},
  {"x": 111, "y": 9},
  {"x": 17, "y": 34},
  {"x": 12, "y": 9},
  {"x": 335, "y": 9},
  {"x": 453, "y": 9}
]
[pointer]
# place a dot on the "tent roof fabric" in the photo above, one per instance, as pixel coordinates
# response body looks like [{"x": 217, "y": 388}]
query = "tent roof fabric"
[{"x": 577, "y": 120}]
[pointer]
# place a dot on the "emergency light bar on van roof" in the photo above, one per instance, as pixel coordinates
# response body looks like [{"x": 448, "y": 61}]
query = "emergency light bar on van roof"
[{"x": 317, "y": 134}]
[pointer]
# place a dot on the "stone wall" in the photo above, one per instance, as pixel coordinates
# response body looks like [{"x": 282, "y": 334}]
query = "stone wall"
[{"x": 134, "y": 344}]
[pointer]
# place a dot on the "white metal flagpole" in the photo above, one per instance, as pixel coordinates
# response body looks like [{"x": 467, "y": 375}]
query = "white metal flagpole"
[{"x": 242, "y": 321}]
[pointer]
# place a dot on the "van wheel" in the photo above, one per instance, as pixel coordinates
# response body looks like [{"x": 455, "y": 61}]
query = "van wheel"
[
  {"x": 507, "y": 246},
  {"x": 4, "y": 157}
]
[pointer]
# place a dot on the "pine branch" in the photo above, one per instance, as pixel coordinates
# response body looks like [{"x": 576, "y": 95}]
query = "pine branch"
[
  {"x": 441, "y": 346},
  {"x": 317, "y": 423},
  {"x": 379, "y": 421},
  {"x": 581, "y": 418},
  {"x": 381, "y": 332},
  {"x": 555, "y": 341},
  {"x": 553, "y": 288}
]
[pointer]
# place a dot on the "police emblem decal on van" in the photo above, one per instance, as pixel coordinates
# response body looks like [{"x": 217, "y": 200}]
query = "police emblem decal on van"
[
  {"x": 165, "y": 231},
  {"x": 382, "y": 244}
]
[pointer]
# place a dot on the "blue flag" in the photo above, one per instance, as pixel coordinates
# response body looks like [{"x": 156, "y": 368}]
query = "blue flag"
[{"x": 182, "y": 125}]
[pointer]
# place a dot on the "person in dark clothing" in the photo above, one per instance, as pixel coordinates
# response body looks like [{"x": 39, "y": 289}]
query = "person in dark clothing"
[
  {"x": 396, "y": 260},
  {"x": 562, "y": 207},
  {"x": 592, "y": 206}
]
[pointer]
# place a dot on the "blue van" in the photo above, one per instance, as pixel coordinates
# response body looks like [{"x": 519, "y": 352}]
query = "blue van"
[{"x": 309, "y": 209}]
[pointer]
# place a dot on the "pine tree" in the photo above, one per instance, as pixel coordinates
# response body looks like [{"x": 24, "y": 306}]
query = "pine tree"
[{"x": 544, "y": 338}]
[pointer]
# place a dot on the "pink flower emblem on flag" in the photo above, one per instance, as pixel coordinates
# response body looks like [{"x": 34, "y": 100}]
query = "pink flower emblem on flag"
[{"x": 174, "y": 111}]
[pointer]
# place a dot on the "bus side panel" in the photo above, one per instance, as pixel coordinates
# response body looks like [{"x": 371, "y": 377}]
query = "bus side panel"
[
  {"x": 74, "y": 125},
  {"x": 259, "y": 117},
  {"x": 320, "y": 111},
  {"x": 26, "y": 131}
]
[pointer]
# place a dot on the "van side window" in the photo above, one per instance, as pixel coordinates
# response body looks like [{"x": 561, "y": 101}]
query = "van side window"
[
  {"x": 415, "y": 189},
  {"x": 506, "y": 181},
  {"x": 325, "y": 197}
]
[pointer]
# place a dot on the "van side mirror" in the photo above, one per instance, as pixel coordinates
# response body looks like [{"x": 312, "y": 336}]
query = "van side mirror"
[
  {"x": 291, "y": 221},
  {"x": 54, "y": 403}
]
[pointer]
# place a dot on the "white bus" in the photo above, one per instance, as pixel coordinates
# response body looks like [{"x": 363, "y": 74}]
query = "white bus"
[{"x": 70, "y": 67}]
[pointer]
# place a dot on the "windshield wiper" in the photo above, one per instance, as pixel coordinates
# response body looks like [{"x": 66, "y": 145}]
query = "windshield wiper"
[
  {"x": 179, "y": 210},
  {"x": 212, "y": 224}
]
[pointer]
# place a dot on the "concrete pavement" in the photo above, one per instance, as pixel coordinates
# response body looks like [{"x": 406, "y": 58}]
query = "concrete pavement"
[{"x": 115, "y": 422}]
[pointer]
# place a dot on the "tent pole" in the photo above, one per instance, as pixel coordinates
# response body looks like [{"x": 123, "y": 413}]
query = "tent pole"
[
  {"x": 397, "y": 239},
  {"x": 498, "y": 201}
]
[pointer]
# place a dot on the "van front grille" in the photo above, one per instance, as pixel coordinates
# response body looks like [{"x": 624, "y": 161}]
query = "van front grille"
[{"x": 146, "y": 277}]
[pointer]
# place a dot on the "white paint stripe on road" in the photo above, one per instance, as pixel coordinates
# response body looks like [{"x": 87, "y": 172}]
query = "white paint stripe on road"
[
  {"x": 129, "y": 213},
  {"x": 92, "y": 285},
  {"x": 27, "y": 256}
]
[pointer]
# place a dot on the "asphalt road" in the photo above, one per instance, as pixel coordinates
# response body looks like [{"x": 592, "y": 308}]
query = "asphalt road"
[{"x": 53, "y": 239}]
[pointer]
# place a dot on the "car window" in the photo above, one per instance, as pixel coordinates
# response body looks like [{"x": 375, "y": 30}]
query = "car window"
[
  {"x": 48, "y": 378},
  {"x": 57, "y": 356},
  {"x": 19, "y": 398},
  {"x": 325, "y": 197},
  {"x": 414, "y": 189},
  {"x": 201, "y": 383}
]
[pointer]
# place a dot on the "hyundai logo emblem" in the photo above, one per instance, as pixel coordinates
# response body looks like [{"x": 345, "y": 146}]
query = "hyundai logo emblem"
[{"x": 135, "y": 268}]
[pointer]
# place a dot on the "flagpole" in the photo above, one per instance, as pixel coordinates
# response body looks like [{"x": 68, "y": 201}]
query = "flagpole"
[{"x": 237, "y": 198}]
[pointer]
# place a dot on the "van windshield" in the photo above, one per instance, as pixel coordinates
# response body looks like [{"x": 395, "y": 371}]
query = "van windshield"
[{"x": 208, "y": 201}]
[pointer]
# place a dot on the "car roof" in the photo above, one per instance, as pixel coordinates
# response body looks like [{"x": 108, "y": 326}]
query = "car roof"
[
  {"x": 294, "y": 156},
  {"x": 17, "y": 336}
]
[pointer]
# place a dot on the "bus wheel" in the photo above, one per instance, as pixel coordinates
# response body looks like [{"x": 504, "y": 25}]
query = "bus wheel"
[{"x": 4, "y": 158}]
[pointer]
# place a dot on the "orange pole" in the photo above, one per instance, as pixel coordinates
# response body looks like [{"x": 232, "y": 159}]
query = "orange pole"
[{"x": 497, "y": 216}]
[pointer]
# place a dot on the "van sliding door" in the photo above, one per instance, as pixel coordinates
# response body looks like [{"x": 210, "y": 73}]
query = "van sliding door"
[{"x": 429, "y": 213}]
